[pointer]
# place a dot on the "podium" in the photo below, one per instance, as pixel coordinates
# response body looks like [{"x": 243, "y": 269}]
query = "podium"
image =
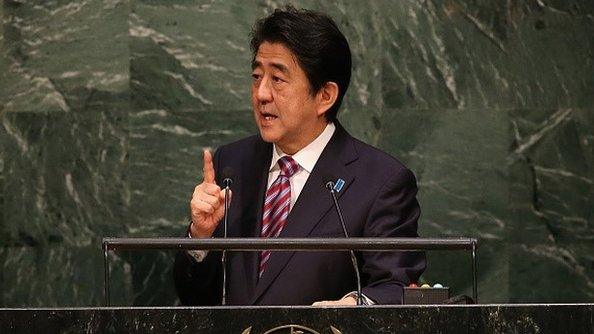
[{"x": 541, "y": 318}]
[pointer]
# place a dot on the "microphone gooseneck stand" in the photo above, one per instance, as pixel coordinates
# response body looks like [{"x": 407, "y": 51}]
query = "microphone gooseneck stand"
[
  {"x": 227, "y": 183},
  {"x": 330, "y": 187}
]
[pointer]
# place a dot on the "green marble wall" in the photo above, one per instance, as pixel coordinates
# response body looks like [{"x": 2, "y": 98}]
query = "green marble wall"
[{"x": 106, "y": 106}]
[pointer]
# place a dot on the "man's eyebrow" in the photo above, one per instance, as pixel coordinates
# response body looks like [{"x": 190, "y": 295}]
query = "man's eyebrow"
[{"x": 279, "y": 66}]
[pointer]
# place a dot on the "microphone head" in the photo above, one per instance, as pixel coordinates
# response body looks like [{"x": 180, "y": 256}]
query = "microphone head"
[
  {"x": 328, "y": 181},
  {"x": 228, "y": 174}
]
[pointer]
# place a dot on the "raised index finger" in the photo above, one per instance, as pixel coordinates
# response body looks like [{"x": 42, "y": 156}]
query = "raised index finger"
[{"x": 208, "y": 169}]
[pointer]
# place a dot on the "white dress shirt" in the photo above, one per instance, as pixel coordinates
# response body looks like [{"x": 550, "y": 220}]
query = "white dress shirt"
[{"x": 306, "y": 158}]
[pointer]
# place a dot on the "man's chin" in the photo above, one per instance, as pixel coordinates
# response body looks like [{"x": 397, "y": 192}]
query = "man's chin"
[{"x": 268, "y": 137}]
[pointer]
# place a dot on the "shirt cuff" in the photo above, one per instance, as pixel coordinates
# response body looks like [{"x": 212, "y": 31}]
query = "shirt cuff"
[
  {"x": 366, "y": 300},
  {"x": 197, "y": 254}
]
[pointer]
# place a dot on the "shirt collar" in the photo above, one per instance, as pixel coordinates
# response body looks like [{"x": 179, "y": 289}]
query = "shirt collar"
[{"x": 309, "y": 155}]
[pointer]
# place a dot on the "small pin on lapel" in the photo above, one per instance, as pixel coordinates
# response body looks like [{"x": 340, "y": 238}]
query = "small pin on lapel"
[{"x": 338, "y": 185}]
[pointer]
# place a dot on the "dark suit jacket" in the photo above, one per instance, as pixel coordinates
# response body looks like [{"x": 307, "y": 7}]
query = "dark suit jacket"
[{"x": 377, "y": 200}]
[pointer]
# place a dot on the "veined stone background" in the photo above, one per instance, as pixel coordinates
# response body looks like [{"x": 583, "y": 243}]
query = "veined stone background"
[{"x": 106, "y": 106}]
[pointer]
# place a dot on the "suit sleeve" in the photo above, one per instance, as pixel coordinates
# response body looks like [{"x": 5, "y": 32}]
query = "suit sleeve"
[
  {"x": 394, "y": 213},
  {"x": 200, "y": 283}
]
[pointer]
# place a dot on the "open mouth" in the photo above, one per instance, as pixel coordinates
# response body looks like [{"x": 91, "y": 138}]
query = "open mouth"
[{"x": 268, "y": 117}]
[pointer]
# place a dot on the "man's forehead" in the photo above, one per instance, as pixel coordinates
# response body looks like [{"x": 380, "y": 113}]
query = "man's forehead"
[{"x": 275, "y": 55}]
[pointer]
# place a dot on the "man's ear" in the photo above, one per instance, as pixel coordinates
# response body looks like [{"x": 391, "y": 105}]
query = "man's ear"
[{"x": 326, "y": 97}]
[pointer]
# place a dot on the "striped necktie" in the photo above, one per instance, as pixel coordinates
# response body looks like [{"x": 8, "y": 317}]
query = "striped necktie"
[{"x": 277, "y": 205}]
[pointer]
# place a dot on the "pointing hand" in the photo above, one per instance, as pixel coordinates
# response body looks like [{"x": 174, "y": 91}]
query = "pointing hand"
[{"x": 207, "y": 206}]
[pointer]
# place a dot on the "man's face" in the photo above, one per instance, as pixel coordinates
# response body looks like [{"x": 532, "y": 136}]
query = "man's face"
[{"x": 284, "y": 109}]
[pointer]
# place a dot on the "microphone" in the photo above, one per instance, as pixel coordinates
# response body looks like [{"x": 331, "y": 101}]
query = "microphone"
[
  {"x": 228, "y": 174},
  {"x": 332, "y": 187}
]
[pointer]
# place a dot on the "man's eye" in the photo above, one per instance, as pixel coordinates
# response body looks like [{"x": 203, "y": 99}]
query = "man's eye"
[
  {"x": 277, "y": 79},
  {"x": 256, "y": 76}
]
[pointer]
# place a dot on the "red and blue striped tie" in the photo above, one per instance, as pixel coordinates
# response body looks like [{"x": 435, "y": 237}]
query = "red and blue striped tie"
[{"x": 277, "y": 205}]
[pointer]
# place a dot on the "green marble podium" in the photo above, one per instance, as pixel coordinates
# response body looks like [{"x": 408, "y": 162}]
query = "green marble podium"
[{"x": 536, "y": 318}]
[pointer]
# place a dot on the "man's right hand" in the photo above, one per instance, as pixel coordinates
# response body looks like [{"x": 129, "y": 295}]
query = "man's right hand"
[{"x": 208, "y": 202}]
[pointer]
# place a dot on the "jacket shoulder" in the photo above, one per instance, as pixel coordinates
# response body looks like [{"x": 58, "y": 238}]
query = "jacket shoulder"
[
  {"x": 242, "y": 154},
  {"x": 377, "y": 159}
]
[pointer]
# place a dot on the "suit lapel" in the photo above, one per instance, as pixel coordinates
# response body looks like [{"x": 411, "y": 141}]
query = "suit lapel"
[{"x": 314, "y": 200}]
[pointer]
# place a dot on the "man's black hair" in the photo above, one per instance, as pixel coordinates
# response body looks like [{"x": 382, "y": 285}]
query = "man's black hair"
[{"x": 321, "y": 49}]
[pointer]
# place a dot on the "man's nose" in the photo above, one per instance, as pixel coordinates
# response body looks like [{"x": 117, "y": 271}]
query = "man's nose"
[{"x": 264, "y": 92}]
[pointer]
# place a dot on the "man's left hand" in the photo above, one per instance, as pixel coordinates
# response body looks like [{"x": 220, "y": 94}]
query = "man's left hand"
[{"x": 346, "y": 301}]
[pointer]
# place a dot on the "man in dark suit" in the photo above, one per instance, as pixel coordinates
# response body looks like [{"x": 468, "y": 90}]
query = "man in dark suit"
[{"x": 301, "y": 70}]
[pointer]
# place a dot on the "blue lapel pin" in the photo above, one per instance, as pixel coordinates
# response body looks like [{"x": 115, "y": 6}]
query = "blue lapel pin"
[{"x": 338, "y": 185}]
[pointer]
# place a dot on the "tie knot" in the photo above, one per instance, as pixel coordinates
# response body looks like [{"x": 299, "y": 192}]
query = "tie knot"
[{"x": 288, "y": 166}]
